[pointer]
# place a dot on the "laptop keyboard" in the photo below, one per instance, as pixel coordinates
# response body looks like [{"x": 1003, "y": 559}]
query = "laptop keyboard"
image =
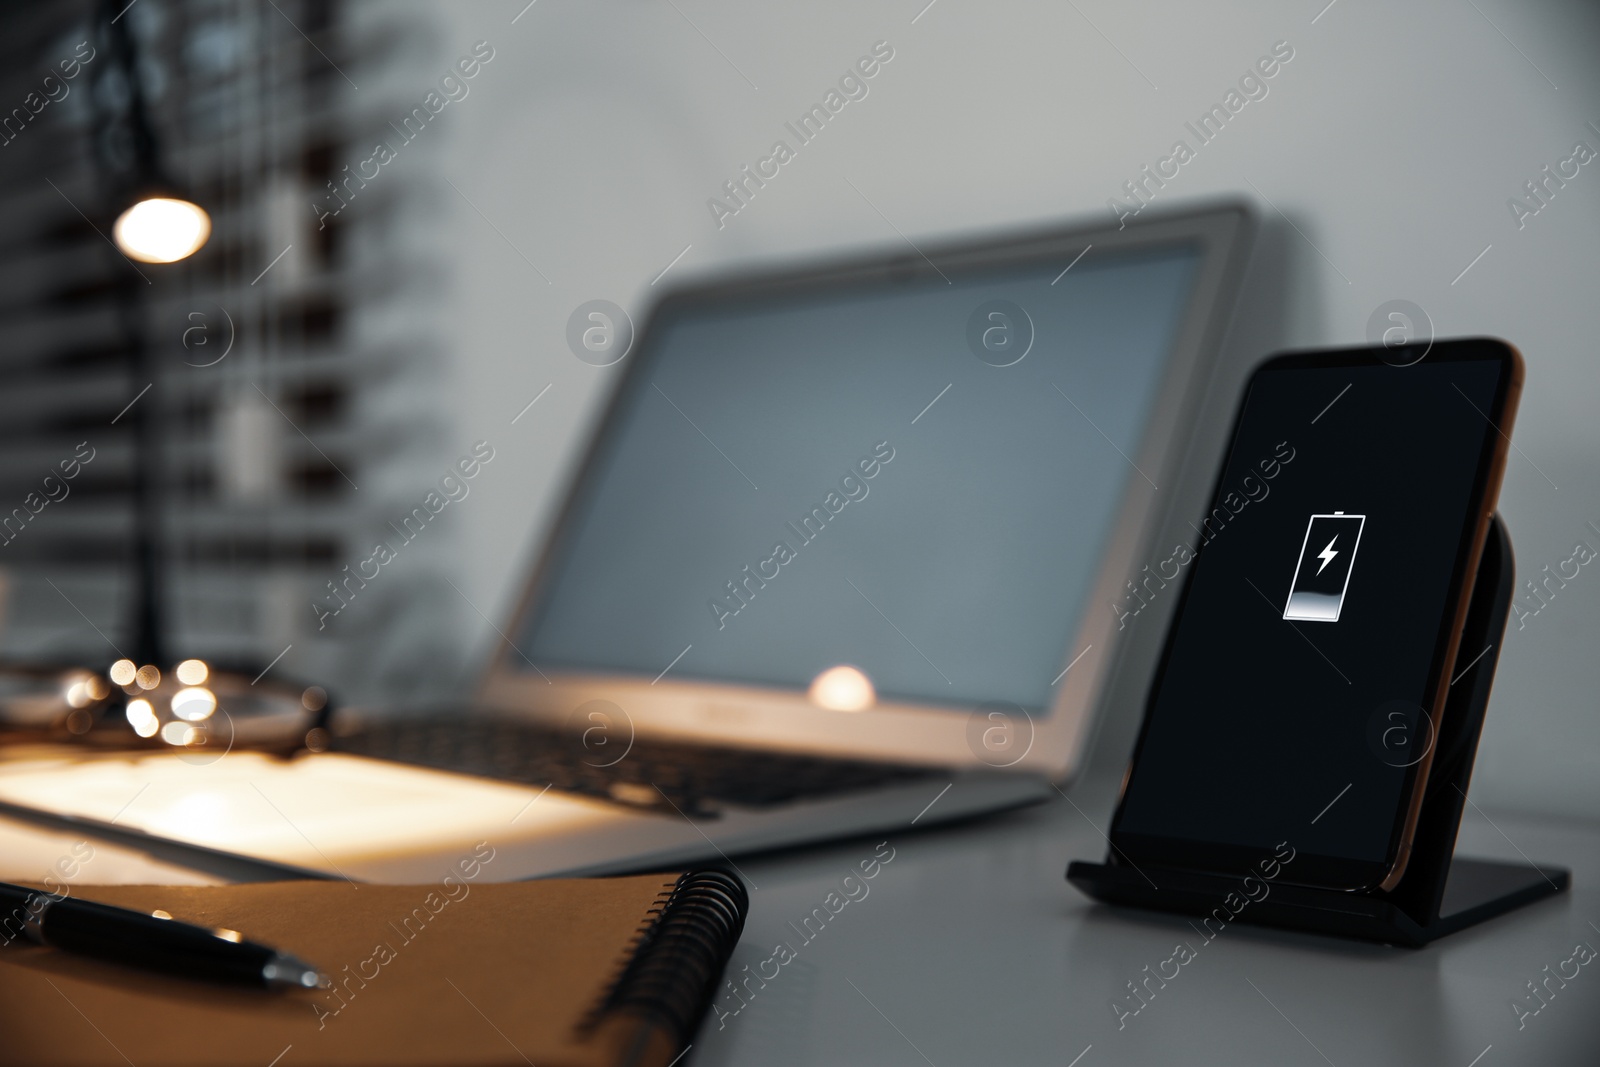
[{"x": 695, "y": 779}]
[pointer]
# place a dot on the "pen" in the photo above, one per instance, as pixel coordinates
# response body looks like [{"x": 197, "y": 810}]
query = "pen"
[{"x": 154, "y": 941}]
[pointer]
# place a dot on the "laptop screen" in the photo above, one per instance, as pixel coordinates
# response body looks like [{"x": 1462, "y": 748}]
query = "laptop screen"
[{"x": 915, "y": 479}]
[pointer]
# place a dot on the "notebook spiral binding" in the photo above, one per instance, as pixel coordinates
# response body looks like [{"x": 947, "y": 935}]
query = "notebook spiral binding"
[{"x": 679, "y": 954}]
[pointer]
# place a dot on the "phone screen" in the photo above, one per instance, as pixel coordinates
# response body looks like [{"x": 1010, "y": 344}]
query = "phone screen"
[{"x": 1315, "y": 615}]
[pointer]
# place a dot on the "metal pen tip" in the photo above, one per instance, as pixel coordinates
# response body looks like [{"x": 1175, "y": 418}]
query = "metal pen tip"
[{"x": 287, "y": 972}]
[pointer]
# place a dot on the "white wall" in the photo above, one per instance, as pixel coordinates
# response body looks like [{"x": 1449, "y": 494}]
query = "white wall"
[{"x": 1392, "y": 141}]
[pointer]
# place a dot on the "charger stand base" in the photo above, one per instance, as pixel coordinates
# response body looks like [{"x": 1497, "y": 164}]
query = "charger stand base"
[{"x": 1440, "y": 892}]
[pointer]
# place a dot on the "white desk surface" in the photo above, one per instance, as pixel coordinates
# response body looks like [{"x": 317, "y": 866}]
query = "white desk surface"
[{"x": 970, "y": 948}]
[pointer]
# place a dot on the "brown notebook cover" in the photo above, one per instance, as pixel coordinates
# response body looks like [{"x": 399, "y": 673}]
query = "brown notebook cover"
[{"x": 579, "y": 972}]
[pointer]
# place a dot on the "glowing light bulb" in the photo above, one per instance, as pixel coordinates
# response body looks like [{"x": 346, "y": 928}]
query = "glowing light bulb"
[
  {"x": 79, "y": 693},
  {"x": 192, "y": 705},
  {"x": 180, "y": 733},
  {"x": 122, "y": 672},
  {"x": 148, "y": 676},
  {"x": 843, "y": 688},
  {"x": 162, "y": 230},
  {"x": 192, "y": 672},
  {"x": 142, "y": 717}
]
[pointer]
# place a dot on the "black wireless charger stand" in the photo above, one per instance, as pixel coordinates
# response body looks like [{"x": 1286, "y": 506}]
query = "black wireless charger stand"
[{"x": 1440, "y": 892}]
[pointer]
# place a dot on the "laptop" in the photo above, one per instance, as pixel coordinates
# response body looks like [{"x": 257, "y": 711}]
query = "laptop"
[{"x": 844, "y": 556}]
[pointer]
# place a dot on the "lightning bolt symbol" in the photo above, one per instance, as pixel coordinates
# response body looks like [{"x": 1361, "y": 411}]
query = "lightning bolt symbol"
[{"x": 1326, "y": 555}]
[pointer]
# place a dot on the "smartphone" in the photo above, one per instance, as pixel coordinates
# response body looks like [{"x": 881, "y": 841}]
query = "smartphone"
[{"x": 1320, "y": 603}]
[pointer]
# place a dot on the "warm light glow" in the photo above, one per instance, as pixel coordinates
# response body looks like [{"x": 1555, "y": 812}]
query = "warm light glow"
[
  {"x": 148, "y": 676},
  {"x": 633, "y": 793},
  {"x": 193, "y": 672},
  {"x": 192, "y": 705},
  {"x": 161, "y": 230},
  {"x": 97, "y": 687},
  {"x": 843, "y": 688},
  {"x": 122, "y": 671},
  {"x": 142, "y": 717},
  {"x": 79, "y": 692},
  {"x": 180, "y": 733},
  {"x": 205, "y": 811}
]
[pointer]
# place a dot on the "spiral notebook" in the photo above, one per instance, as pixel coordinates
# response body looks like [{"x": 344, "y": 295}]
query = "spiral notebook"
[{"x": 560, "y": 973}]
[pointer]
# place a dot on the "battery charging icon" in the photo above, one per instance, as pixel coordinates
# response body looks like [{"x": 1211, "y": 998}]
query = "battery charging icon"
[{"x": 1327, "y": 556}]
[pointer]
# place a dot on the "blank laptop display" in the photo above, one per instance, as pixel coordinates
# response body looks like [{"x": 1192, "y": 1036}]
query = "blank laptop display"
[{"x": 916, "y": 480}]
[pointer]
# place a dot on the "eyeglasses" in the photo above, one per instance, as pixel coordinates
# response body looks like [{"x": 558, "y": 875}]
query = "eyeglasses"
[{"x": 193, "y": 707}]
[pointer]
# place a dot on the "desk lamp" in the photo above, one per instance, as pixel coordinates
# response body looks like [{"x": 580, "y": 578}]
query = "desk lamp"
[{"x": 191, "y": 705}]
